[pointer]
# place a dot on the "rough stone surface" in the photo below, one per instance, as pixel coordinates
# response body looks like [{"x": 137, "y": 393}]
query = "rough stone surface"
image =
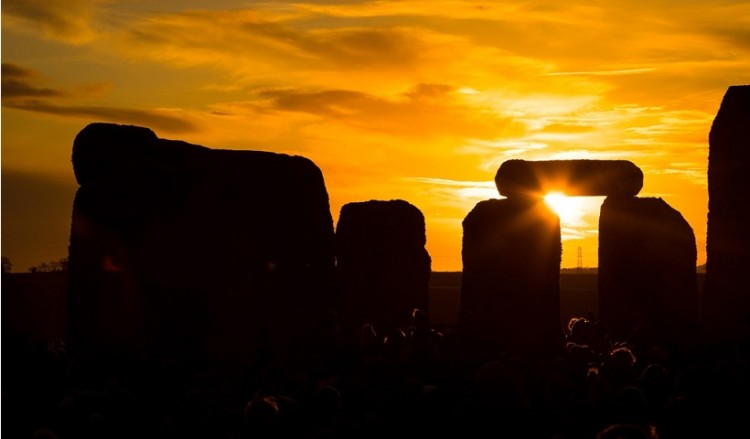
[
  {"x": 382, "y": 264},
  {"x": 726, "y": 298},
  {"x": 220, "y": 251},
  {"x": 511, "y": 272},
  {"x": 647, "y": 276},
  {"x": 572, "y": 177}
]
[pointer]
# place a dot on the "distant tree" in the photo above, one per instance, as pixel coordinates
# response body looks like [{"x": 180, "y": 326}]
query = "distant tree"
[
  {"x": 46, "y": 267},
  {"x": 7, "y": 265}
]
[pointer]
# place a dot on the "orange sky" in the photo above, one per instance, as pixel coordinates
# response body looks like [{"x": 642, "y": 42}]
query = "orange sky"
[{"x": 420, "y": 100}]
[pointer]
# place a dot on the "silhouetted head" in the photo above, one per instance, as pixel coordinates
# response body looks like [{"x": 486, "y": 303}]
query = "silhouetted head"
[
  {"x": 619, "y": 367},
  {"x": 579, "y": 330},
  {"x": 572, "y": 322},
  {"x": 580, "y": 354},
  {"x": 622, "y": 357}
]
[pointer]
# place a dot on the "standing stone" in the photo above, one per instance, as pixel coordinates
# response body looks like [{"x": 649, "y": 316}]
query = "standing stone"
[
  {"x": 511, "y": 272},
  {"x": 647, "y": 278},
  {"x": 726, "y": 297},
  {"x": 216, "y": 252},
  {"x": 382, "y": 264},
  {"x": 106, "y": 310}
]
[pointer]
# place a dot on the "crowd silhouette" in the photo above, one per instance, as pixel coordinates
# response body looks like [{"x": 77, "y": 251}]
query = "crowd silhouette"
[{"x": 416, "y": 381}]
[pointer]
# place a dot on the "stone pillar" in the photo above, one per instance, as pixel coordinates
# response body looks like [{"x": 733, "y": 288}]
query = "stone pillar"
[
  {"x": 218, "y": 251},
  {"x": 382, "y": 265},
  {"x": 511, "y": 272},
  {"x": 647, "y": 280},
  {"x": 726, "y": 296}
]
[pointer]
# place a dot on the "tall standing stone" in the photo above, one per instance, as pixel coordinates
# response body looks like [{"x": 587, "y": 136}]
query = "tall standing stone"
[
  {"x": 213, "y": 252},
  {"x": 511, "y": 272},
  {"x": 726, "y": 297},
  {"x": 647, "y": 277},
  {"x": 382, "y": 264}
]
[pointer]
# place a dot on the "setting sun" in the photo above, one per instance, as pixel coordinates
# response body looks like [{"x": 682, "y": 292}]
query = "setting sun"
[{"x": 565, "y": 207}]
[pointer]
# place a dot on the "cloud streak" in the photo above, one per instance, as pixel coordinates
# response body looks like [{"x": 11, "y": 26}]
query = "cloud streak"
[
  {"x": 425, "y": 110},
  {"x": 18, "y": 81},
  {"x": 20, "y": 91},
  {"x": 258, "y": 39},
  {"x": 159, "y": 120},
  {"x": 70, "y": 20}
]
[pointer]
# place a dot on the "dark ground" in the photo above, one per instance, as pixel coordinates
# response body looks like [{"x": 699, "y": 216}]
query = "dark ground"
[{"x": 34, "y": 304}]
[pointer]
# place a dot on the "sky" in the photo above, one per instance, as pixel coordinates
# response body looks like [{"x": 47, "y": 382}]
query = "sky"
[{"x": 417, "y": 100}]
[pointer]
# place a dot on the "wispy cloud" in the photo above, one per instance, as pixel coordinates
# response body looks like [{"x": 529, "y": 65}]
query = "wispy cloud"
[
  {"x": 425, "y": 110},
  {"x": 70, "y": 20},
  {"x": 603, "y": 72},
  {"x": 463, "y": 194},
  {"x": 158, "y": 119},
  {"x": 20, "y": 90},
  {"x": 18, "y": 81},
  {"x": 254, "y": 37}
]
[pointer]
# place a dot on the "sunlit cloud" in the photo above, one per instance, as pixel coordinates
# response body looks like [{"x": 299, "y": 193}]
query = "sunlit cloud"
[
  {"x": 158, "y": 119},
  {"x": 479, "y": 190},
  {"x": 464, "y": 194},
  {"x": 694, "y": 173},
  {"x": 70, "y": 21},
  {"x": 454, "y": 183},
  {"x": 256, "y": 39},
  {"x": 425, "y": 110},
  {"x": 21, "y": 92},
  {"x": 570, "y": 233},
  {"x": 18, "y": 81},
  {"x": 603, "y": 72}
]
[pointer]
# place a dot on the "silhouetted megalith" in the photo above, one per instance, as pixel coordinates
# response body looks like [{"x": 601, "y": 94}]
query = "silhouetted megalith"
[
  {"x": 573, "y": 177},
  {"x": 382, "y": 264},
  {"x": 647, "y": 274},
  {"x": 511, "y": 272},
  {"x": 105, "y": 307},
  {"x": 214, "y": 247},
  {"x": 726, "y": 297}
]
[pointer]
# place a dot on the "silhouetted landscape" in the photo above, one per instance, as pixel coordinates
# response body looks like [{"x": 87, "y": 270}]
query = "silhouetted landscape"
[{"x": 208, "y": 294}]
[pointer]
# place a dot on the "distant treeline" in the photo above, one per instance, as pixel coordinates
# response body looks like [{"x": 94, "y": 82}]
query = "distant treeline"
[{"x": 588, "y": 270}]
